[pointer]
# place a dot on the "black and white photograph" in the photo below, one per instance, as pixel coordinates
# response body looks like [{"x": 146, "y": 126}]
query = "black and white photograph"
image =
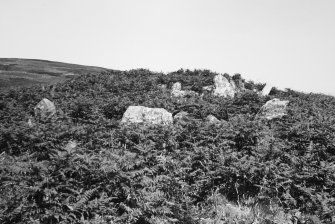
[{"x": 167, "y": 112}]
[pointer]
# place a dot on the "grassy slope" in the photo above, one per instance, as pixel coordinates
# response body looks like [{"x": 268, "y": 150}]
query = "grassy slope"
[{"x": 26, "y": 72}]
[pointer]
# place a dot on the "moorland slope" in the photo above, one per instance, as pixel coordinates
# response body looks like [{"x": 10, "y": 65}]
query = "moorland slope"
[
  {"x": 26, "y": 72},
  {"x": 82, "y": 165}
]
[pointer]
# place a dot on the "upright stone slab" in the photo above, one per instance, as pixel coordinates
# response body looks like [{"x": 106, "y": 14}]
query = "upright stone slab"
[
  {"x": 237, "y": 79},
  {"x": 176, "y": 90},
  {"x": 274, "y": 108},
  {"x": 146, "y": 115},
  {"x": 266, "y": 90},
  {"x": 232, "y": 83},
  {"x": 45, "y": 108},
  {"x": 223, "y": 87}
]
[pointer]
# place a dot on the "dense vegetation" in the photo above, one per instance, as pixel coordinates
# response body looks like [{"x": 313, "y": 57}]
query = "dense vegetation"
[{"x": 240, "y": 171}]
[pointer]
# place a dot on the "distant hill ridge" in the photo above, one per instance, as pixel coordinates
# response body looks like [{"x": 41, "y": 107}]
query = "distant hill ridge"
[{"x": 27, "y": 72}]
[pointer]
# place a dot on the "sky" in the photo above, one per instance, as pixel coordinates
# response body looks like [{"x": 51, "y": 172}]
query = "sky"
[{"x": 286, "y": 43}]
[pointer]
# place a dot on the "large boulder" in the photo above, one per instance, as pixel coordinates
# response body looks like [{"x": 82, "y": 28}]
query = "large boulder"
[
  {"x": 45, "y": 108},
  {"x": 223, "y": 87},
  {"x": 141, "y": 114},
  {"x": 274, "y": 108}
]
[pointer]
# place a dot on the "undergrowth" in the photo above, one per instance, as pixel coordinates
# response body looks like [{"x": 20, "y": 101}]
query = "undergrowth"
[{"x": 239, "y": 171}]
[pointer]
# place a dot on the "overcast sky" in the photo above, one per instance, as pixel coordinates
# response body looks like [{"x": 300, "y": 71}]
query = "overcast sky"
[{"x": 289, "y": 43}]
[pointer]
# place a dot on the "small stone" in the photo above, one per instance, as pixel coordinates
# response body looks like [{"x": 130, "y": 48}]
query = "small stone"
[
  {"x": 208, "y": 88},
  {"x": 162, "y": 86},
  {"x": 30, "y": 123},
  {"x": 212, "y": 119},
  {"x": 181, "y": 116},
  {"x": 71, "y": 145},
  {"x": 45, "y": 108},
  {"x": 177, "y": 92}
]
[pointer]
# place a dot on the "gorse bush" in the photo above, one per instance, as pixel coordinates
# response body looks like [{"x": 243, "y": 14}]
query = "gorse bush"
[{"x": 83, "y": 166}]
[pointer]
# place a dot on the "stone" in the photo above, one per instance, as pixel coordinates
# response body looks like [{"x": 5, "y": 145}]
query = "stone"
[
  {"x": 181, "y": 116},
  {"x": 238, "y": 86},
  {"x": 208, "y": 88},
  {"x": 141, "y": 114},
  {"x": 162, "y": 86},
  {"x": 266, "y": 90},
  {"x": 45, "y": 108},
  {"x": 176, "y": 90},
  {"x": 30, "y": 123},
  {"x": 71, "y": 145},
  {"x": 237, "y": 79},
  {"x": 190, "y": 93},
  {"x": 212, "y": 119},
  {"x": 223, "y": 87},
  {"x": 232, "y": 83},
  {"x": 274, "y": 108}
]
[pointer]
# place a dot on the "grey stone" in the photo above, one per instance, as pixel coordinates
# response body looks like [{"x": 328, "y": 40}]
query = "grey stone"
[
  {"x": 274, "y": 108},
  {"x": 232, "y": 83},
  {"x": 181, "y": 116},
  {"x": 238, "y": 82},
  {"x": 30, "y": 123},
  {"x": 162, "y": 86},
  {"x": 177, "y": 92},
  {"x": 71, "y": 145},
  {"x": 141, "y": 114},
  {"x": 212, "y": 119},
  {"x": 45, "y": 108},
  {"x": 208, "y": 88},
  {"x": 223, "y": 87},
  {"x": 266, "y": 90}
]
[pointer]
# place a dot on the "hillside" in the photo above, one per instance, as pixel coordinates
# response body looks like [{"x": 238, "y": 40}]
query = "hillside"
[
  {"x": 26, "y": 72},
  {"x": 82, "y": 165}
]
